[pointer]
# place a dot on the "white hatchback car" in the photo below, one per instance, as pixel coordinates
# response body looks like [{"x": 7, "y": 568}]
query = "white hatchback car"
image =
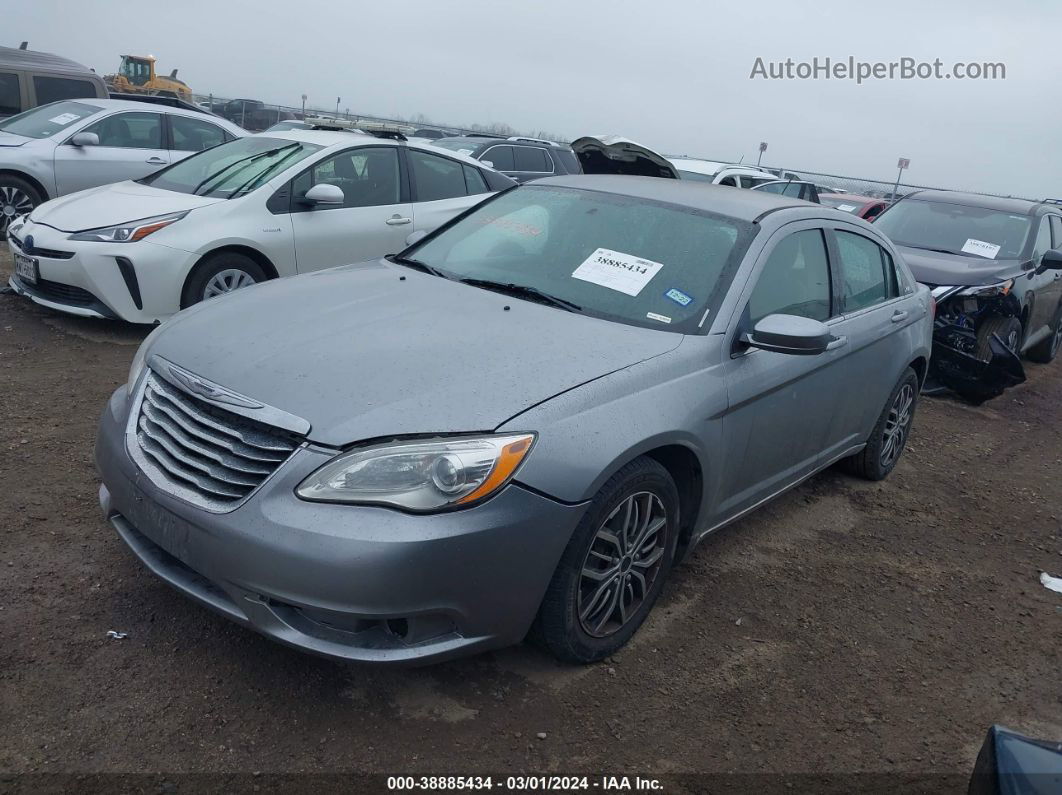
[
  {"x": 256, "y": 208},
  {"x": 732, "y": 174}
]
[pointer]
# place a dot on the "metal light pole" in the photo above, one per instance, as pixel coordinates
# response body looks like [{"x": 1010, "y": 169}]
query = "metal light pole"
[
  {"x": 763, "y": 148},
  {"x": 904, "y": 163},
  {"x": 337, "y": 107},
  {"x": 304, "y": 106}
]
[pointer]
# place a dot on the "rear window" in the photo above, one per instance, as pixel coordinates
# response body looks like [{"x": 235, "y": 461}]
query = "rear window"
[
  {"x": 54, "y": 89},
  {"x": 47, "y": 120},
  {"x": 10, "y": 95}
]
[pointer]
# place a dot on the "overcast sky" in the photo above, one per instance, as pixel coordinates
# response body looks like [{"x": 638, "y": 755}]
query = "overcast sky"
[{"x": 672, "y": 75}]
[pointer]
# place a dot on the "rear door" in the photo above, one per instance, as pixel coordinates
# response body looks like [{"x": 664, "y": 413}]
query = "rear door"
[
  {"x": 1043, "y": 284},
  {"x": 373, "y": 220},
  {"x": 531, "y": 162},
  {"x": 877, "y": 306},
  {"x": 131, "y": 146},
  {"x": 780, "y": 405},
  {"x": 442, "y": 188}
]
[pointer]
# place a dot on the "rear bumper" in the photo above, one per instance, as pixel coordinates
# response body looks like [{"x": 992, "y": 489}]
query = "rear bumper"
[{"x": 348, "y": 582}]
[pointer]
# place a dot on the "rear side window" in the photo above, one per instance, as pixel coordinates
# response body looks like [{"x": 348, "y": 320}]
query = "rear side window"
[
  {"x": 869, "y": 272},
  {"x": 474, "y": 182},
  {"x": 194, "y": 135},
  {"x": 53, "y": 89},
  {"x": 531, "y": 158},
  {"x": 129, "y": 130},
  {"x": 10, "y": 96},
  {"x": 795, "y": 280},
  {"x": 501, "y": 157},
  {"x": 437, "y": 177}
]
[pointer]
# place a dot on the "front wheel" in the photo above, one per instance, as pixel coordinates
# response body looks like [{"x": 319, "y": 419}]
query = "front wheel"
[
  {"x": 17, "y": 197},
  {"x": 887, "y": 440},
  {"x": 614, "y": 567},
  {"x": 220, "y": 274}
]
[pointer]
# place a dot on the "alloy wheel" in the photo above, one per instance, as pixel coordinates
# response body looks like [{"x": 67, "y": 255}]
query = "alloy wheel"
[
  {"x": 226, "y": 281},
  {"x": 897, "y": 425},
  {"x": 622, "y": 564},
  {"x": 13, "y": 203}
]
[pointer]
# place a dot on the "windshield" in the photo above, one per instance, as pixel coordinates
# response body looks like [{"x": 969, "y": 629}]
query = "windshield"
[
  {"x": 231, "y": 169},
  {"x": 956, "y": 228},
  {"x": 455, "y": 145},
  {"x": 47, "y": 120},
  {"x": 625, "y": 259},
  {"x": 844, "y": 205}
]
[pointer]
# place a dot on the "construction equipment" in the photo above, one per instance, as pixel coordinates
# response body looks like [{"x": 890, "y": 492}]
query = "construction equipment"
[{"x": 136, "y": 75}]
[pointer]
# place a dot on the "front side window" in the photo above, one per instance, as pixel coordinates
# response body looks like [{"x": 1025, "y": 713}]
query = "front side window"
[
  {"x": 195, "y": 135},
  {"x": 10, "y": 94},
  {"x": 129, "y": 130},
  {"x": 232, "y": 169},
  {"x": 368, "y": 176},
  {"x": 795, "y": 279},
  {"x": 625, "y": 259},
  {"x": 1043, "y": 239},
  {"x": 500, "y": 157},
  {"x": 1056, "y": 231},
  {"x": 436, "y": 177},
  {"x": 54, "y": 89},
  {"x": 951, "y": 228},
  {"x": 869, "y": 272},
  {"x": 533, "y": 159},
  {"x": 46, "y": 121}
]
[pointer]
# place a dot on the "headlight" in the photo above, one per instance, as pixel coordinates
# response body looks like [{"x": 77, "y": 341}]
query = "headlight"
[
  {"x": 137, "y": 367},
  {"x": 988, "y": 290},
  {"x": 16, "y": 225},
  {"x": 422, "y": 476},
  {"x": 130, "y": 232}
]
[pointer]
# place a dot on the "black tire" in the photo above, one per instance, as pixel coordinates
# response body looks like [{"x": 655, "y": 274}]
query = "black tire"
[
  {"x": 17, "y": 197},
  {"x": 878, "y": 459},
  {"x": 1046, "y": 350},
  {"x": 1009, "y": 330},
  {"x": 195, "y": 288},
  {"x": 558, "y": 626}
]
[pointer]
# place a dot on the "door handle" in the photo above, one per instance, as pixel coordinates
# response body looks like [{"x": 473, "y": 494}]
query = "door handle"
[
  {"x": 397, "y": 220},
  {"x": 156, "y": 161},
  {"x": 837, "y": 342},
  {"x": 898, "y": 315}
]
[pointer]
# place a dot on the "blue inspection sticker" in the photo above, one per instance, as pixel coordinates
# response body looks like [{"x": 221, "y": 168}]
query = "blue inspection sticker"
[{"x": 678, "y": 297}]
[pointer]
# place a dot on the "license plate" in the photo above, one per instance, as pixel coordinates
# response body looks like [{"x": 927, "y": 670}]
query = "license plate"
[{"x": 26, "y": 268}]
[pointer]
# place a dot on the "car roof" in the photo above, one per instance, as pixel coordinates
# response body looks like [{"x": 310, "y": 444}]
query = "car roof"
[
  {"x": 340, "y": 138},
  {"x": 738, "y": 203},
  {"x": 712, "y": 167},
  {"x": 1006, "y": 205},
  {"x": 13, "y": 58}
]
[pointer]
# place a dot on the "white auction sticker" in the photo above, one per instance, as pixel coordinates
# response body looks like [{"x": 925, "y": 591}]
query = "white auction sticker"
[
  {"x": 658, "y": 318},
  {"x": 64, "y": 119},
  {"x": 846, "y": 207},
  {"x": 617, "y": 271},
  {"x": 980, "y": 248}
]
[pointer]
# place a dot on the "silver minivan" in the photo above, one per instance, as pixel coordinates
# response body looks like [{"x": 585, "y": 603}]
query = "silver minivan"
[{"x": 29, "y": 79}]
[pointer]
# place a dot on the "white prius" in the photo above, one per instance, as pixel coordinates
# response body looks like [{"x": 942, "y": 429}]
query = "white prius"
[{"x": 256, "y": 208}]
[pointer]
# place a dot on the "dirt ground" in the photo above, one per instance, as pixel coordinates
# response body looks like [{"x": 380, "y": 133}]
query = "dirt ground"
[{"x": 847, "y": 627}]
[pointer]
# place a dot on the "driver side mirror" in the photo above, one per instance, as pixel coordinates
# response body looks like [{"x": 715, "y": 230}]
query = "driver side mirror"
[
  {"x": 415, "y": 237},
  {"x": 800, "y": 336},
  {"x": 324, "y": 194},
  {"x": 85, "y": 139},
  {"x": 1051, "y": 260}
]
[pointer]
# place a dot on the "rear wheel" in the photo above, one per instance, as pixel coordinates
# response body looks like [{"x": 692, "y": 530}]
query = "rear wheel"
[
  {"x": 1046, "y": 350},
  {"x": 219, "y": 274},
  {"x": 887, "y": 440},
  {"x": 1007, "y": 328},
  {"x": 614, "y": 567},
  {"x": 17, "y": 197}
]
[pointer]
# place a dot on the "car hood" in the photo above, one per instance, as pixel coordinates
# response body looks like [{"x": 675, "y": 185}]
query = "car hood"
[
  {"x": 938, "y": 268},
  {"x": 108, "y": 205},
  {"x": 10, "y": 139},
  {"x": 379, "y": 350},
  {"x": 614, "y": 154}
]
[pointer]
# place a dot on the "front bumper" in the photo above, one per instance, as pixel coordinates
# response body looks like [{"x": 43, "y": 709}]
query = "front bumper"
[
  {"x": 137, "y": 282},
  {"x": 349, "y": 582}
]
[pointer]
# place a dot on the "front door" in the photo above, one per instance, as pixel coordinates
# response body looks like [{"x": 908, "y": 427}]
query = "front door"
[
  {"x": 130, "y": 147},
  {"x": 373, "y": 220}
]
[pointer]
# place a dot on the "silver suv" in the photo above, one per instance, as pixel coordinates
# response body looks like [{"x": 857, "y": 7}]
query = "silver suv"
[{"x": 519, "y": 423}]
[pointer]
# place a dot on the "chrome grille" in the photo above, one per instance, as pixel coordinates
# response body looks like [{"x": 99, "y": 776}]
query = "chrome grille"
[{"x": 204, "y": 451}]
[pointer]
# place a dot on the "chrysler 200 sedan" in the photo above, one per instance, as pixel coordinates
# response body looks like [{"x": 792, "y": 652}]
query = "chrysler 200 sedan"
[{"x": 518, "y": 424}]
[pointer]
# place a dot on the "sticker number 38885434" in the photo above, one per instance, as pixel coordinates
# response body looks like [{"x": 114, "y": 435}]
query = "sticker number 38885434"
[{"x": 617, "y": 271}]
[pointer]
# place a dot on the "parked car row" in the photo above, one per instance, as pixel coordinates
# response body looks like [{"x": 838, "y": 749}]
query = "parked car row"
[{"x": 481, "y": 409}]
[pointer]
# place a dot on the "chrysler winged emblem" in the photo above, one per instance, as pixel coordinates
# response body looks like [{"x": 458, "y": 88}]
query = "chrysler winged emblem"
[{"x": 208, "y": 390}]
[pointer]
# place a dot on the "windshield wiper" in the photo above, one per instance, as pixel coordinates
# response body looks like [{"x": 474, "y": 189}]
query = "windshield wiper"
[
  {"x": 257, "y": 179},
  {"x": 524, "y": 291},
  {"x": 937, "y": 250},
  {"x": 248, "y": 159},
  {"x": 416, "y": 263}
]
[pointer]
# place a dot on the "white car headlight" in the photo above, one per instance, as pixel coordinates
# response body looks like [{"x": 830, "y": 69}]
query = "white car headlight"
[
  {"x": 428, "y": 475},
  {"x": 130, "y": 232}
]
